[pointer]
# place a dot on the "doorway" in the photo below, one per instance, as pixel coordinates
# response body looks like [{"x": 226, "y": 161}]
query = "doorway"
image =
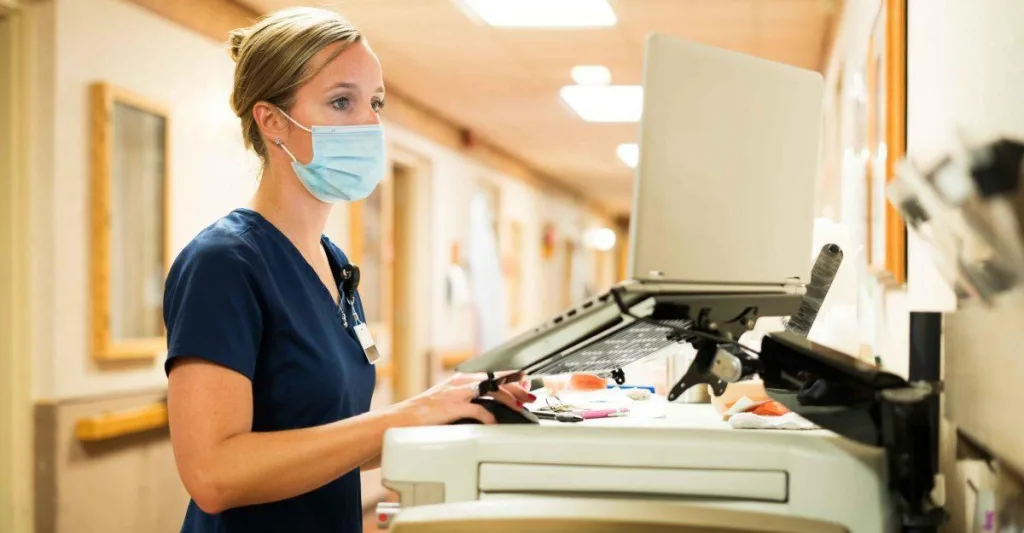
[
  {"x": 15, "y": 354},
  {"x": 390, "y": 243},
  {"x": 410, "y": 368}
]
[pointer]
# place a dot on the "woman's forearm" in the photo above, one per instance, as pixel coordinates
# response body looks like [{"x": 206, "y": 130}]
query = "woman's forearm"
[
  {"x": 372, "y": 464},
  {"x": 253, "y": 468}
]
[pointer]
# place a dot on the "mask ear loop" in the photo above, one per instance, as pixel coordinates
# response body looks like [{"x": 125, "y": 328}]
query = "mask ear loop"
[
  {"x": 277, "y": 140},
  {"x": 289, "y": 117},
  {"x": 279, "y": 143}
]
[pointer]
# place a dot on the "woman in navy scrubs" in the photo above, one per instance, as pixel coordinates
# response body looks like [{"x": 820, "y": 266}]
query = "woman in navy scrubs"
[{"x": 269, "y": 384}]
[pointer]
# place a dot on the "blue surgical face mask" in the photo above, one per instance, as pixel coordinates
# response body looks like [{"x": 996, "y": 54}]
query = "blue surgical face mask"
[{"x": 348, "y": 161}]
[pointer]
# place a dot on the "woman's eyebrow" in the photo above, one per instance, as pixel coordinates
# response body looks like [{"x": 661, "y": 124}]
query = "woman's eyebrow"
[{"x": 350, "y": 85}]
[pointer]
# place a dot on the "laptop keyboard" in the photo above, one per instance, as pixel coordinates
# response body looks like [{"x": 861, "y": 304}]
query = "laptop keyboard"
[{"x": 627, "y": 345}]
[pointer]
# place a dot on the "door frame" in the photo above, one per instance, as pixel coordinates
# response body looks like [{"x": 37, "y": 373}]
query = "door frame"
[
  {"x": 16, "y": 417},
  {"x": 411, "y": 297},
  {"x": 407, "y": 370}
]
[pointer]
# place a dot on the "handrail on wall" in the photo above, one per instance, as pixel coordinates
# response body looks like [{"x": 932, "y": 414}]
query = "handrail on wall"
[
  {"x": 119, "y": 423},
  {"x": 449, "y": 360},
  {"x": 453, "y": 358}
]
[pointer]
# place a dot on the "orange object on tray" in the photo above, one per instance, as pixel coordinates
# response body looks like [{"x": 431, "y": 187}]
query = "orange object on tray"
[
  {"x": 586, "y": 382},
  {"x": 769, "y": 408}
]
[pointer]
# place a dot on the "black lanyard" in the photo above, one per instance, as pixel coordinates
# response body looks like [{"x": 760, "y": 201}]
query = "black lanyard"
[{"x": 349, "y": 284}]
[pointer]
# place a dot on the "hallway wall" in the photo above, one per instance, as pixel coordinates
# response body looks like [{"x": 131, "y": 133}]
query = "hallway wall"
[{"x": 116, "y": 42}]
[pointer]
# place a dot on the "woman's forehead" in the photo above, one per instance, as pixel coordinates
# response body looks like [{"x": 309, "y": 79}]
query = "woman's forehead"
[{"x": 356, "y": 66}]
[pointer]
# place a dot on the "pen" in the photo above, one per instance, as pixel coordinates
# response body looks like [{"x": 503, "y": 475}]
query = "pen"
[
  {"x": 560, "y": 417},
  {"x": 604, "y": 413}
]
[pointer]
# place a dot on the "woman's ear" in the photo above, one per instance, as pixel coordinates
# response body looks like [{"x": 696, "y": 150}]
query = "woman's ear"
[{"x": 271, "y": 121}]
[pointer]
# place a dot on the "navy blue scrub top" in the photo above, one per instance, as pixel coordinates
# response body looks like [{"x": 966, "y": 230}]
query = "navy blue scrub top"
[{"x": 242, "y": 296}]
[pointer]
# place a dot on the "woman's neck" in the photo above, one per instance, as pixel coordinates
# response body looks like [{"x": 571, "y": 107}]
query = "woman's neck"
[{"x": 283, "y": 201}]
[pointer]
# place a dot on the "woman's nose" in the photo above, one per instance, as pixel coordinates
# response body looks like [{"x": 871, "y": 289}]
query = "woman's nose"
[{"x": 370, "y": 117}]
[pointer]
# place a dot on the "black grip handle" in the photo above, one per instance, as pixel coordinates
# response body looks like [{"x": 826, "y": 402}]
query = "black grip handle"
[{"x": 825, "y": 269}]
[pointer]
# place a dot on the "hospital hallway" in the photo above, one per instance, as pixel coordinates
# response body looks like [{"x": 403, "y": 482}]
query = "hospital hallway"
[{"x": 546, "y": 265}]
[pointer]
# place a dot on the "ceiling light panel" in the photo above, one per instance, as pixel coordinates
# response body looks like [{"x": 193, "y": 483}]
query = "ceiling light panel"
[
  {"x": 591, "y": 75},
  {"x": 543, "y": 13},
  {"x": 629, "y": 154},
  {"x": 605, "y": 103}
]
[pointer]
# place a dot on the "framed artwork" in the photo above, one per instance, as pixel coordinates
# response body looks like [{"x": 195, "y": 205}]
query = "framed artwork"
[
  {"x": 130, "y": 220},
  {"x": 886, "y": 140}
]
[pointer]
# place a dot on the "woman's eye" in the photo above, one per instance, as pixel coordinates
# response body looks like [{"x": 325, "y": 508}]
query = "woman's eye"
[
  {"x": 378, "y": 105},
  {"x": 340, "y": 103}
]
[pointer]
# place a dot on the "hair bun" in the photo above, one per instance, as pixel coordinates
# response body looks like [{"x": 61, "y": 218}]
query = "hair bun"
[{"x": 235, "y": 40}]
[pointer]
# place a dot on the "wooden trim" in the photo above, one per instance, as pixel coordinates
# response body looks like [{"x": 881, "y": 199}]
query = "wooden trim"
[
  {"x": 117, "y": 424},
  {"x": 17, "y": 97},
  {"x": 130, "y": 349},
  {"x": 896, "y": 132},
  {"x": 453, "y": 358},
  {"x": 103, "y": 96},
  {"x": 100, "y": 264}
]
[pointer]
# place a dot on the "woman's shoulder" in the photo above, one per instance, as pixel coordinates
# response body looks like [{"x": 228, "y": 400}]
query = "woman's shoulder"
[{"x": 226, "y": 243}]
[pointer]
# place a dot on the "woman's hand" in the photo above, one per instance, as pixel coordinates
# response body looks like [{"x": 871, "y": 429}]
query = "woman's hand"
[{"x": 451, "y": 400}]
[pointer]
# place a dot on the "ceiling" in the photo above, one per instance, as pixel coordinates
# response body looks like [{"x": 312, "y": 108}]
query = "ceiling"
[{"x": 502, "y": 84}]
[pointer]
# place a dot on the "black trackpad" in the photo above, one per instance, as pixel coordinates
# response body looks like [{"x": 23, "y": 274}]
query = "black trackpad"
[{"x": 502, "y": 413}]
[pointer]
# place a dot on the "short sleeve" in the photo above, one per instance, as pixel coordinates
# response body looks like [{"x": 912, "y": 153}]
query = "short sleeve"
[{"x": 211, "y": 306}]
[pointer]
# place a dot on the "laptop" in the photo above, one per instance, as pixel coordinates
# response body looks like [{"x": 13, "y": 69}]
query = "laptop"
[{"x": 722, "y": 210}]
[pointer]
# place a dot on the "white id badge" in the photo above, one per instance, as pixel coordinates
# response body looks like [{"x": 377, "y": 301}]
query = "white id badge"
[{"x": 366, "y": 340}]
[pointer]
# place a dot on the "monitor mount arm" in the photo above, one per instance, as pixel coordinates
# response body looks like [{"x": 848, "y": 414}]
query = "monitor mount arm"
[
  {"x": 715, "y": 364},
  {"x": 718, "y": 364},
  {"x": 720, "y": 358}
]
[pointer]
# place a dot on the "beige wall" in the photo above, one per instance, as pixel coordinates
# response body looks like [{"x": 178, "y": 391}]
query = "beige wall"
[{"x": 122, "y": 485}]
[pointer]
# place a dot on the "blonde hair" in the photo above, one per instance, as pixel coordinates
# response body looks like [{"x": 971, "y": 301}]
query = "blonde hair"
[{"x": 271, "y": 56}]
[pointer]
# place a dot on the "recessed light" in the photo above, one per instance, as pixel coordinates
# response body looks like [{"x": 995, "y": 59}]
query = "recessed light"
[
  {"x": 600, "y": 239},
  {"x": 629, "y": 154},
  {"x": 591, "y": 75},
  {"x": 605, "y": 103},
  {"x": 543, "y": 13}
]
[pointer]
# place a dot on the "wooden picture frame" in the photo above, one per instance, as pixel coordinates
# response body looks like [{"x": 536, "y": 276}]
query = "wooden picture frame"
[
  {"x": 131, "y": 155},
  {"x": 886, "y": 139},
  {"x": 895, "y": 131}
]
